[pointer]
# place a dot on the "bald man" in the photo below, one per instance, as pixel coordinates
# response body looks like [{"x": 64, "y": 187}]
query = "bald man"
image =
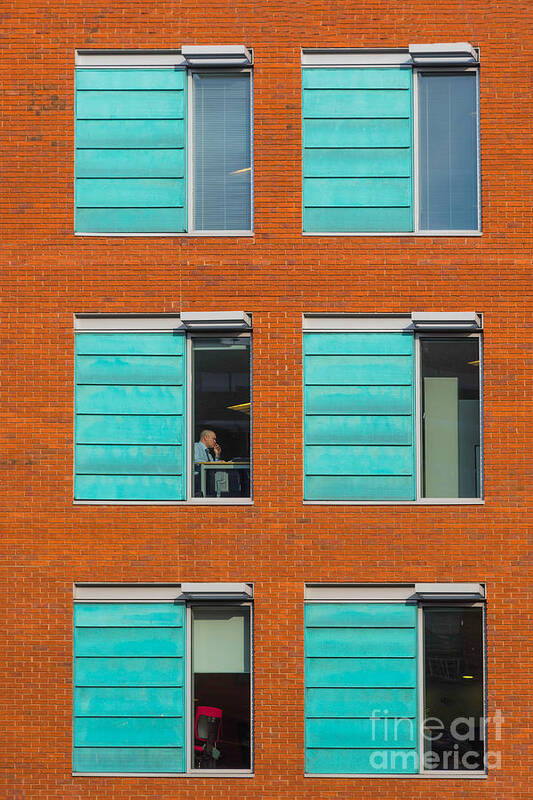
[{"x": 202, "y": 449}]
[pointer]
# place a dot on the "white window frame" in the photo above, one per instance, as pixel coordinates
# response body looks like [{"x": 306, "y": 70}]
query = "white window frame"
[
  {"x": 153, "y": 59},
  {"x": 384, "y": 58},
  {"x": 400, "y": 593},
  {"x": 165, "y": 593},
  {"x": 189, "y": 705},
  {"x": 343, "y": 323},
  {"x": 192, "y": 230},
  {"x": 213, "y": 326}
]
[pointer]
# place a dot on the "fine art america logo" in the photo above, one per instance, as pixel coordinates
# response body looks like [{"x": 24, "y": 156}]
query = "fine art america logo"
[{"x": 452, "y": 745}]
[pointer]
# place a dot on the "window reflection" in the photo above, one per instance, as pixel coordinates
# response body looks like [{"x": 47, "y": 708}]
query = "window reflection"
[
  {"x": 221, "y": 416},
  {"x": 453, "y": 667},
  {"x": 451, "y": 420}
]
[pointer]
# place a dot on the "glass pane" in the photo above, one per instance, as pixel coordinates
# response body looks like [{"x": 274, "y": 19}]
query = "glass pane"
[
  {"x": 222, "y": 152},
  {"x": 221, "y": 416},
  {"x": 450, "y": 417},
  {"x": 221, "y": 686},
  {"x": 453, "y": 674},
  {"x": 447, "y": 112}
]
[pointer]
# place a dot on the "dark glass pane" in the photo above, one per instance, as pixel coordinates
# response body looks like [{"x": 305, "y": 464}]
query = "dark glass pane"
[
  {"x": 453, "y": 689},
  {"x": 450, "y": 417},
  {"x": 221, "y": 416},
  {"x": 221, "y": 686},
  {"x": 222, "y": 152},
  {"x": 447, "y": 113}
]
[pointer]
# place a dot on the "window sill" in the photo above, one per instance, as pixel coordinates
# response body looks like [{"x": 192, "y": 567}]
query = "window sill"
[
  {"x": 423, "y": 502},
  {"x": 394, "y": 776},
  {"x": 208, "y": 501},
  {"x": 180, "y": 234},
  {"x": 416, "y": 234},
  {"x": 200, "y": 773}
]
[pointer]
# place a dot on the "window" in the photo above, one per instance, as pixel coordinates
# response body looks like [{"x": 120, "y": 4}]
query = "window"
[
  {"x": 162, "y": 678},
  {"x": 163, "y": 142},
  {"x": 392, "y": 408},
  {"x": 163, "y": 408},
  {"x": 394, "y": 679},
  {"x": 391, "y": 140}
]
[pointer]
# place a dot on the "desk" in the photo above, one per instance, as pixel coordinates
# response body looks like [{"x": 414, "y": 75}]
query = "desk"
[{"x": 218, "y": 466}]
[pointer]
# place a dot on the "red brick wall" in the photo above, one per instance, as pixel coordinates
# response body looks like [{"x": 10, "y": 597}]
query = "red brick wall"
[{"x": 277, "y": 543}]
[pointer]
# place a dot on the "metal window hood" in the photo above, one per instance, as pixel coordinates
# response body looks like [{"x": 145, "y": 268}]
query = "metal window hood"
[{"x": 233, "y": 55}]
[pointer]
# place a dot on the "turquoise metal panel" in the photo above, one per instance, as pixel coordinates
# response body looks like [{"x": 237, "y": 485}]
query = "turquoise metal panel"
[
  {"x": 358, "y": 430},
  {"x": 350, "y": 109},
  {"x": 166, "y": 400},
  {"x": 124, "y": 732},
  {"x": 332, "y": 703},
  {"x": 361, "y": 642},
  {"x": 358, "y": 416},
  {"x": 358, "y": 701},
  {"x": 126, "y": 369},
  {"x": 130, "y": 422},
  {"x": 129, "y": 192},
  {"x": 131, "y": 220},
  {"x": 358, "y": 399},
  {"x": 127, "y": 642},
  {"x": 356, "y": 103},
  {"x": 128, "y": 671},
  {"x": 361, "y": 615},
  {"x": 130, "y": 134},
  {"x": 350, "y": 220},
  {"x": 135, "y": 78},
  {"x": 129, "y": 429},
  {"x": 113, "y": 459},
  {"x": 129, "y": 759},
  {"x": 364, "y": 370},
  {"x": 131, "y": 163},
  {"x": 129, "y": 615},
  {"x": 362, "y": 78},
  {"x": 357, "y": 460},
  {"x": 350, "y": 733},
  {"x": 129, "y": 712},
  {"x": 382, "y": 761},
  {"x": 361, "y": 672},
  {"x": 374, "y": 488},
  {"x": 129, "y": 104},
  {"x": 127, "y": 702},
  {"x": 357, "y": 192},
  {"x": 368, "y": 133},
  {"x": 393, "y": 162},
  {"x": 149, "y": 488},
  {"x": 147, "y": 344},
  {"x": 386, "y": 344}
]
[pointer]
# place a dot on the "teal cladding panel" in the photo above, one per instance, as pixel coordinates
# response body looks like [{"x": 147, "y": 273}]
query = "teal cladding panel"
[
  {"x": 129, "y": 712},
  {"x": 359, "y": 416},
  {"x": 363, "y": 78},
  {"x": 99, "y": 701},
  {"x": 362, "y": 695},
  {"x": 130, "y": 421},
  {"x": 357, "y": 158},
  {"x": 119, "y": 163},
  {"x": 130, "y": 158},
  {"x": 128, "y": 759}
]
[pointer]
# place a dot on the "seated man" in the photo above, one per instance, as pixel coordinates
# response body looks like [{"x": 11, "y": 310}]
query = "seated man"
[
  {"x": 203, "y": 451},
  {"x": 208, "y": 442}
]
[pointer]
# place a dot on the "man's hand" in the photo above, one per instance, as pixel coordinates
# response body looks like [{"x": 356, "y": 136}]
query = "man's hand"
[{"x": 217, "y": 448}]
